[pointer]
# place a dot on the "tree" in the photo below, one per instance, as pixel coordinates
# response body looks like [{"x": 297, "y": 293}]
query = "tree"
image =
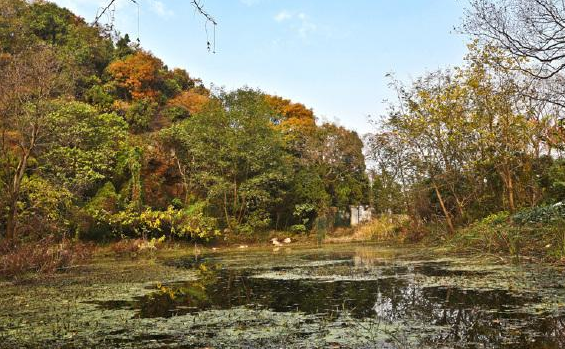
[
  {"x": 30, "y": 81},
  {"x": 527, "y": 29},
  {"x": 138, "y": 76},
  {"x": 230, "y": 155},
  {"x": 83, "y": 146},
  {"x": 467, "y": 142}
]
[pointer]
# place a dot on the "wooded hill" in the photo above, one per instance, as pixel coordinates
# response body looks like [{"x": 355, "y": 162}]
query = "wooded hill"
[{"x": 100, "y": 139}]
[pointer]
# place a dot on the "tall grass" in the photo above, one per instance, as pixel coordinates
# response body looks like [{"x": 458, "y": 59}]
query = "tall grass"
[{"x": 44, "y": 256}]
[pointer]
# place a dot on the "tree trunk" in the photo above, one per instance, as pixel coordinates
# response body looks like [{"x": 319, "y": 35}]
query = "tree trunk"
[
  {"x": 11, "y": 224},
  {"x": 444, "y": 209},
  {"x": 511, "y": 194},
  {"x": 509, "y": 186},
  {"x": 460, "y": 209},
  {"x": 15, "y": 194},
  {"x": 227, "y": 217}
]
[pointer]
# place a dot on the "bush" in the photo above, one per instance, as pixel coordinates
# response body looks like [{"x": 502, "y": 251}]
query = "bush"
[
  {"x": 190, "y": 222},
  {"x": 175, "y": 113},
  {"x": 44, "y": 256},
  {"x": 540, "y": 214},
  {"x": 140, "y": 114},
  {"x": 298, "y": 228},
  {"x": 538, "y": 231},
  {"x": 495, "y": 218},
  {"x": 134, "y": 247}
]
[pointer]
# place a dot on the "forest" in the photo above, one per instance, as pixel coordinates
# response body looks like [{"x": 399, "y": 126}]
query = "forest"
[
  {"x": 101, "y": 140},
  {"x": 479, "y": 145},
  {"x": 142, "y": 206}
]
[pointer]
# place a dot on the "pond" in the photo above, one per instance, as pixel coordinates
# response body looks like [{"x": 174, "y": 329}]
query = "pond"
[{"x": 348, "y": 296}]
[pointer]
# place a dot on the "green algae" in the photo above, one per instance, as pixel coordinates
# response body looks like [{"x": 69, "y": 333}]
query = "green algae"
[{"x": 342, "y": 296}]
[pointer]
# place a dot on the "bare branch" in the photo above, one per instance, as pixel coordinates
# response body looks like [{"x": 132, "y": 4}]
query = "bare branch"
[{"x": 106, "y": 8}]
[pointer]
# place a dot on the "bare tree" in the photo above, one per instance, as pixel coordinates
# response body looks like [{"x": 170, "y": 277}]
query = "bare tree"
[{"x": 532, "y": 31}]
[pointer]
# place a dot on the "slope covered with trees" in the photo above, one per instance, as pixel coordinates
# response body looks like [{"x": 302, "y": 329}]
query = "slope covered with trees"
[
  {"x": 100, "y": 140},
  {"x": 477, "y": 146}
]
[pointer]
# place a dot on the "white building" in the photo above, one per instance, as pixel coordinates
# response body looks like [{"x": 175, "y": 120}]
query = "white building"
[{"x": 360, "y": 214}]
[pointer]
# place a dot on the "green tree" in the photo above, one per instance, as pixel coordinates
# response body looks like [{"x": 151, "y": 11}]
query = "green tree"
[
  {"x": 83, "y": 146},
  {"x": 230, "y": 155}
]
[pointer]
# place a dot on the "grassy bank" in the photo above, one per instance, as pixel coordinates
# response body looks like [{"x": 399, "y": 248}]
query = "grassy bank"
[{"x": 537, "y": 233}]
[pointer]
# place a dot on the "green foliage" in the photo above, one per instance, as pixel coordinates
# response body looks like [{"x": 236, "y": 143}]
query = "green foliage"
[
  {"x": 298, "y": 228},
  {"x": 495, "y": 218},
  {"x": 556, "y": 178},
  {"x": 118, "y": 144},
  {"x": 43, "y": 205},
  {"x": 123, "y": 47},
  {"x": 140, "y": 114},
  {"x": 93, "y": 220},
  {"x": 84, "y": 147},
  {"x": 303, "y": 214},
  {"x": 49, "y": 22},
  {"x": 546, "y": 241},
  {"x": 309, "y": 189},
  {"x": 187, "y": 223},
  {"x": 175, "y": 113},
  {"x": 540, "y": 214},
  {"x": 234, "y": 156},
  {"x": 386, "y": 193},
  {"x": 129, "y": 163},
  {"x": 99, "y": 96},
  {"x": 171, "y": 88}
]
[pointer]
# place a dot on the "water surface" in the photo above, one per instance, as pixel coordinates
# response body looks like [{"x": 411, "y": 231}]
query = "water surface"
[
  {"x": 349, "y": 296},
  {"x": 431, "y": 301}
]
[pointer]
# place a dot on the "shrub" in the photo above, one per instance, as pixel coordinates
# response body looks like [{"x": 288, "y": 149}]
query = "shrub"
[
  {"x": 298, "y": 228},
  {"x": 140, "y": 114},
  {"x": 175, "y": 113},
  {"x": 134, "y": 247},
  {"x": 495, "y": 218},
  {"x": 190, "y": 222},
  {"x": 540, "y": 214},
  {"x": 44, "y": 205},
  {"x": 43, "y": 256}
]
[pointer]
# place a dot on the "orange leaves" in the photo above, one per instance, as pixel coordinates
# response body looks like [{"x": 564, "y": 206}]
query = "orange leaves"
[
  {"x": 138, "y": 74},
  {"x": 190, "y": 100},
  {"x": 291, "y": 116},
  {"x": 287, "y": 110}
]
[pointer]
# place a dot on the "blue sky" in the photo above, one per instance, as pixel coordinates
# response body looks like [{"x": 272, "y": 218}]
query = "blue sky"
[{"x": 330, "y": 55}]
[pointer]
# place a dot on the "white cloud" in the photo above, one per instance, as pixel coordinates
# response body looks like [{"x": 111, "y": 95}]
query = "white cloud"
[
  {"x": 306, "y": 26},
  {"x": 283, "y": 16},
  {"x": 299, "y": 22},
  {"x": 160, "y": 9}
]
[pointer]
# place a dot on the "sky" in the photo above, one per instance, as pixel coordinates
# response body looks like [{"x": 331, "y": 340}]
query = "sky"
[{"x": 331, "y": 55}]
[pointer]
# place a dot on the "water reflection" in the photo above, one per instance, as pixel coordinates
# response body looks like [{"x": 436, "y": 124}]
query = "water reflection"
[{"x": 468, "y": 317}]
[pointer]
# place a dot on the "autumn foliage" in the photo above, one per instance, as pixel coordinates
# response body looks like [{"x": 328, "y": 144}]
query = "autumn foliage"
[
  {"x": 138, "y": 76},
  {"x": 123, "y": 146}
]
